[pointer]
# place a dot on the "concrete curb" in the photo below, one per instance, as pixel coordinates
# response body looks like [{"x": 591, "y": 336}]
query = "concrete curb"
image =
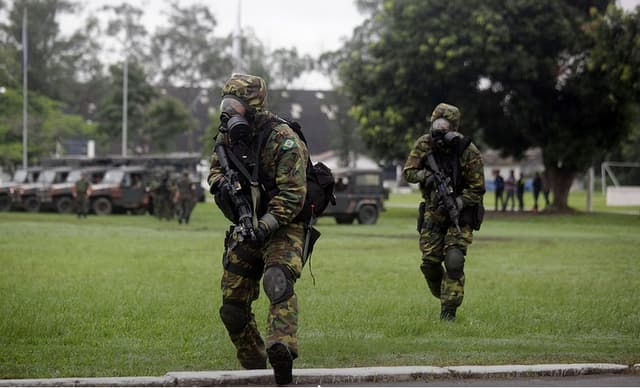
[{"x": 336, "y": 376}]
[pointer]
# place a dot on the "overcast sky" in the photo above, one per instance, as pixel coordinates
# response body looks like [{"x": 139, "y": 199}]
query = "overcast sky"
[{"x": 312, "y": 26}]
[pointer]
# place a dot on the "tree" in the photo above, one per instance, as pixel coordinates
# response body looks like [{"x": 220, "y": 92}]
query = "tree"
[
  {"x": 187, "y": 52},
  {"x": 167, "y": 118},
  {"x": 52, "y": 58},
  {"x": 48, "y": 126},
  {"x": 140, "y": 94},
  {"x": 286, "y": 65},
  {"x": 576, "y": 102},
  {"x": 126, "y": 25},
  {"x": 525, "y": 73}
]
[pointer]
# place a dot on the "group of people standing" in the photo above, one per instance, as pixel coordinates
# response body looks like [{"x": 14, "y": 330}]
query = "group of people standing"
[
  {"x": 506, "y": 191},
  {"x": 174, "y": 198}
]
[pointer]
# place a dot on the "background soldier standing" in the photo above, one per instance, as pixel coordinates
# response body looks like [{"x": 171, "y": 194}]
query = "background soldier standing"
[
  {"x": 520, "y": 183},
  {"x": 499, "y": 190},
  {"x": 510, "y": 188},
  {"x": 81, "y": 189},
  {"x": 162, "y": 201},
  {"x": 184, "y": 198},
  {"x": 440, "y": 240},
  {"x": 277, "y": 247}
]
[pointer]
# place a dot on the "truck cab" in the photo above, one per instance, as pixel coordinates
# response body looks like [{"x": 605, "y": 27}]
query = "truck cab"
[
  {"x": 360, "y": 196},
  {"x": 29, "y": 194},
  {"x": 9, "y": 190},
  {"x": 60, "y": 196},
  {"x": 122, "y": 189}
]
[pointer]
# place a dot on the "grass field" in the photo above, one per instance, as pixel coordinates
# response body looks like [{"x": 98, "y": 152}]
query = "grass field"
[{"x": 130, "y": 295}]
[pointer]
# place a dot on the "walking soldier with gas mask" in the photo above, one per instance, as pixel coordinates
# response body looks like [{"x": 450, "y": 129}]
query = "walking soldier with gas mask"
[
  {"x": 258, "y": 178},
  {"x": 449, "y": 170}
]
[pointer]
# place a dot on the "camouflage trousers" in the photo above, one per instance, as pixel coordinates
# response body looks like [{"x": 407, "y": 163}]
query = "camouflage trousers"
[
  {"x": 437, "y": 236},
  {"x": 184, "y": 207},
  {"x": 243, "y": 269},
  {"x": 82, "y": 205}
]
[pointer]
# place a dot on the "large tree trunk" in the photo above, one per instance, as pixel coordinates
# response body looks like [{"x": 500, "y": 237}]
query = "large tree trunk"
[{"x": 560, "y": 180}]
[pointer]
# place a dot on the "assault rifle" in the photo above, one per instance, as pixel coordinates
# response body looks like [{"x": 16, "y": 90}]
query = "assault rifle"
[
  {"x": 244, "y": 228},
  {"x": 445, "y": 191}
]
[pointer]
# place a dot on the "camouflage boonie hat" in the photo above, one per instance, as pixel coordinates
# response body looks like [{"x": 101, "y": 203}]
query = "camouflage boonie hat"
[
  {"x": 249, "y": 88},
  {"x": 448, "y": 112}
]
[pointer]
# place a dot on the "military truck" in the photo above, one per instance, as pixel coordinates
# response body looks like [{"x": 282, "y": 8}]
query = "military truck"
[
  {"x": 9, "y": 190},
  {"x": 122, "y": 189},
  {"x": 360, "y": 196},
  {"x": 28, "y": 195},
  {"x": 60, "y": 196}
]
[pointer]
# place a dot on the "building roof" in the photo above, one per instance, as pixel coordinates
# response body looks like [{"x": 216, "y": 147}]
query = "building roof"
[{"x": 320, "y": 113}]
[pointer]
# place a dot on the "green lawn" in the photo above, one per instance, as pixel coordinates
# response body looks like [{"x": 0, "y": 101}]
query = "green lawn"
[{"x": 130, "y": 295}]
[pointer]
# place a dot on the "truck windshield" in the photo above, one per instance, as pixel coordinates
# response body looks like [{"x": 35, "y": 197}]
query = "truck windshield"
[
  {"x": 368, "y": 180},
  {"x": 113, "y": 177},
  {"x": 47, "y": 177},
  {"x": 74, "y": 176},
  {"x": 20, "y": 176}
]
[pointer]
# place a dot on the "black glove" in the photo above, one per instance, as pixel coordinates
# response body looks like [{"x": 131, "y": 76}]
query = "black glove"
[
  {"x": 224, "y": 202},
  {"x": 262, "y": 234},
  {"x": 213, "y": 189},
  {"x": 266, "y": 226}
]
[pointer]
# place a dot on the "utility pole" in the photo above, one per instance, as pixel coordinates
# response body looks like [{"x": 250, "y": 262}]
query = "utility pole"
[
  {"x": 236, "y": 48},
  {"x": 125, "y": 86},
  {"x": 25, "y": 66}
]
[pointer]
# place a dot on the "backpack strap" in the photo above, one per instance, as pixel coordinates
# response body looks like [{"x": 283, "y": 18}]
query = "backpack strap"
[{"x": 462, "y": 145}]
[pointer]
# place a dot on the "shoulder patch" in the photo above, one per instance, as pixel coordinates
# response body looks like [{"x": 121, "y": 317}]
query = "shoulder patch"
[{"x": 289, "y": 144}]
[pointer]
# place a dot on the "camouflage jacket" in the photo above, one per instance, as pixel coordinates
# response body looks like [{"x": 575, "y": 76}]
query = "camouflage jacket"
[
  {"x": 471, "y": 166},
  {"x": 184, "y": 188},
  {"x": 81, "y": 187},
  {"x": 283, "y": 164}
]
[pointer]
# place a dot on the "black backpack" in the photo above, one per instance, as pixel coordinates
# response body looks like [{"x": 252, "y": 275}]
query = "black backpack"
[{"x": 320, "y": 180}]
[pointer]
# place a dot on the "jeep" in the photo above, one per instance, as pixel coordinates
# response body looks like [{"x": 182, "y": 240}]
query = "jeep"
[
  {"x": 359, "y": 195},
  {"x": 122, "y": 189},
  {"x": 28, "y": 195},
  {"x": 9, "y": 190},
  {"x": 60, "y": 196}
]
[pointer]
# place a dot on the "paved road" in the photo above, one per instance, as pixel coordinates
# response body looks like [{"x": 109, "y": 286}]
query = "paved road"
[{"x": 606, "y": 380}]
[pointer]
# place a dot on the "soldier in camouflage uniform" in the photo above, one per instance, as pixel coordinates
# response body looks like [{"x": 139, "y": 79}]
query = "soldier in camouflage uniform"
[
  {"x": 440, "y": 240},
  {"x": 184, "y": 198},
  {"x": 81, "y": 189},
  {"x": 276, "y": 251}
]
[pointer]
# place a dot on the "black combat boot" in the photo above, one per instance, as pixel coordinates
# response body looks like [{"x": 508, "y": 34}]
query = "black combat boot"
[
  {"x": 448, "y": 313},
  {"x": 282, "y": 362}
]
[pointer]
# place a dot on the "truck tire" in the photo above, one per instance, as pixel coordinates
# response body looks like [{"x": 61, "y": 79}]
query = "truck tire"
[
  {"x": 64, "y": 205},
  {"x": 5, "y": 203},
  {"x": 344, "y": 219},
  {"x": 368, "y": 215},
  {"x": 31, "y": 204},
  {"x": 102, "y": 206}
]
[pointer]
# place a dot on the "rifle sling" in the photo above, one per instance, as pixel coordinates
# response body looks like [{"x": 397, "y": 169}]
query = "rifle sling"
[{"x": 252, "y": 178}]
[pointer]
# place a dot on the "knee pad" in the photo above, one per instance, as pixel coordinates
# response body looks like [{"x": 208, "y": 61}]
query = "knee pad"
[
  {"x": 431, "y": 270},
  {"x": 234, "y": 317},
  {"x": 278, "y": 283},
  {"x": 454, "y": 262}
]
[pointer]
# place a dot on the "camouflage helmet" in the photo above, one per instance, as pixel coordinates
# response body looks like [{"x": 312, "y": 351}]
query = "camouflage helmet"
[
  {"x": 449, "y": 112},
  {"x": 249, "y": 88}
]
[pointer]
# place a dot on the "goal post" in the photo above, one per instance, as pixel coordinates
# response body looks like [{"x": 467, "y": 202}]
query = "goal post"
[{"x": 619, "y": 194}]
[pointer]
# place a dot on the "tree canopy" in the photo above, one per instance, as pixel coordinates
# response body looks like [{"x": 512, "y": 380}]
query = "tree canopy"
[{"x": 558, "y": 75}]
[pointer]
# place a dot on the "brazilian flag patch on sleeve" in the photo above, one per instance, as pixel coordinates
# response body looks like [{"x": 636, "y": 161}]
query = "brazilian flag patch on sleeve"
[{"x": 288, "y": 144}]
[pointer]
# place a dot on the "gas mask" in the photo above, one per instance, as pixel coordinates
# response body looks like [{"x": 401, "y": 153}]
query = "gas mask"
[
  {"x": 232, "y": 119},
  {"x": 443, "y": 137}
]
